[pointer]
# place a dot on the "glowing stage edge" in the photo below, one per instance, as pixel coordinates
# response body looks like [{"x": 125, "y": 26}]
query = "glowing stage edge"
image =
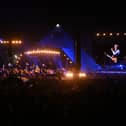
[{"x": 42, "y": 51}]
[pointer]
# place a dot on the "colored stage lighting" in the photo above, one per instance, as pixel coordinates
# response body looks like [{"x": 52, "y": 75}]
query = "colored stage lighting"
[
  {"x": 124, "y": 34},
  {"x": 57, "y": 25},
  {"x": 16, "y": 42},
  {"x": 19, "y": 41},
  {"x": 117, "y": 34},
  {"x": 110, "y": 34},
  {"x": 69, "y": 75},
  {"x": 98, "y": 34},
  {"x": 104, "y": 34},
  {"x": 82, "y": 75},
  {"x": 4, "y": 42},
  {"x": 1, "y": 41},
  {"x": 13, "y": 42},
  {"x": 70, "y": 62},
  {"x": 42, "y": 52}
]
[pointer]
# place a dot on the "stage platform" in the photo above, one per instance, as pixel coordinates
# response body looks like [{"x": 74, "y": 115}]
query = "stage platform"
[{"x": 105, "y": 74}]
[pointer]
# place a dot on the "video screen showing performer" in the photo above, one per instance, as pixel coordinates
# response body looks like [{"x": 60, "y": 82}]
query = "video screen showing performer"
[
  {"x": 115, "y": 55},
  {"x": 109, "y": 50}
]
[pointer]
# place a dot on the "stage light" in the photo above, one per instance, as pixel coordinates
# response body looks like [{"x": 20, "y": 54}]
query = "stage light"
[
  {"x": 104, "y": 34},
  {"x": 67, "y": 58},
  {"x": 70, "y": 62},
  {"x": 42, "y": 52},
  {"x": 110, "y": 34},
  {"x": 4, "y": 42},
  {"x": 98, "y": 34},
  {"x": 117, "y": 34},
  {"x": 69, "y": 75},
  {"x": 82, "y": 75},
  {"x": 16, "y": 42},
  {"x": 64, "y": 55},
  {"x": 57, "y": 25},
  {"x": 121, "y": 66},
  {"x": 13, "y": 42},
  {"x": 19, "y": 41},
  {"x": 1, "y": 41},
  {"x": 124, "y": 33}
]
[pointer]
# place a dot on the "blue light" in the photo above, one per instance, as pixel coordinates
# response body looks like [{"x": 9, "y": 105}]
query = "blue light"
[
  {"x": 121, "y": 65},
  {"x": 88, "y": 63},
  {"x": 112, "y": 72},
  {"x": 57, "y": 38},
  {"x": 69, "y": 52}
]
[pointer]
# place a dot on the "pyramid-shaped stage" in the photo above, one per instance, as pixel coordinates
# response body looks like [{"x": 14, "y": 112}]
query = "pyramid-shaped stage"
[{"x": 58, "y": 38}]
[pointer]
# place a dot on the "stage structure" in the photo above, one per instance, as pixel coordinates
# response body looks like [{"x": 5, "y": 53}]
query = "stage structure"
[
  {"x": 88, "y": 63},
  {"x": 76, "y": 48},
  {"x": 59, "y": 39},
  {"x": 51, "y": 57},
  {"x": 103, "y": 43}
]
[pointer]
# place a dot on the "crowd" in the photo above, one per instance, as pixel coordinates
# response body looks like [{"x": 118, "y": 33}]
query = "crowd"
[
  {"x": 29, "y": 71},
  {"x": 54, "y": 100},
  {"x": 98, "y": 99}
]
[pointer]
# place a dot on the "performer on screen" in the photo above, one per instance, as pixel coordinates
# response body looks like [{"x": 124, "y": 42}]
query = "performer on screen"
[
  {"x": 115, "y": 54},
  {"x": 115, "y": 50}
]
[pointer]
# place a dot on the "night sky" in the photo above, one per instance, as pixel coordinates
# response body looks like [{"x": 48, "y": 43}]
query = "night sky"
[{"x": 33, "y": 23}]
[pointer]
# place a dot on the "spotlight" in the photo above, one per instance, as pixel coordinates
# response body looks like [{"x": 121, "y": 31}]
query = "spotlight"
[
  {"x": 70, "y": 62},
  {"x": 98, "y": 34},
  {"x": 57, "y": 25},
  {"x": 117, "y": 34},
  {"x": 110, "y": 34},
  {"x": 43, "y": 52},
  {"x": 4, "y": 42},
  {"x": 82, "y": 75},
  {"x": 1, "y": 41},
  {"x": 16, "y": 42},
  {"x": 124, "y": 33},
  {"x": 104, "y": 34},
  {"x": 19, "y": 41},
  {"x": 69, "y": 74},
  {"x": 13, "y": 42}
]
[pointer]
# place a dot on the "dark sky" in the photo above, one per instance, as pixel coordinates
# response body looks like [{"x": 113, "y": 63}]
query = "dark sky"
[{"x": 35, "y": 22}]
